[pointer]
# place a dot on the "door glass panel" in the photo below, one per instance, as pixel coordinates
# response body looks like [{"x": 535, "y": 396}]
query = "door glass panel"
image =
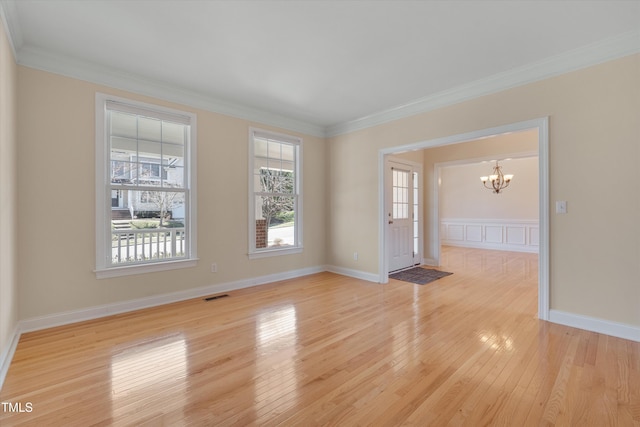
[{"x": 400, "y": 194}]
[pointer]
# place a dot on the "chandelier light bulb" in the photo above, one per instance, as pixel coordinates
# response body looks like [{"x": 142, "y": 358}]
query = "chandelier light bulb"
[{"x": 498, "y": 180}]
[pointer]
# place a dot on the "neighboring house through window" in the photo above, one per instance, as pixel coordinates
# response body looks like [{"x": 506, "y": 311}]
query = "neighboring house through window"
[
  {"x": 275, "y": 197},
  {"x": 145, "y": 187}
]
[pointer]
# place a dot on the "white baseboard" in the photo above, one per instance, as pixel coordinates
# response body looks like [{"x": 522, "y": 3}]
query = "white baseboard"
[
  {"x": 7, "y": 355},
  {"x": 568, "y": 319},
  {"x": 73, "y": 316},
  {"x": 357, "y": 274},
  {"x": 593, "y": 324},
  {"x": 430, "y": 262}
]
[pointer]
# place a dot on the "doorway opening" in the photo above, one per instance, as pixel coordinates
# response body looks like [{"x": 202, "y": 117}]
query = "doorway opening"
[{"x": 431, "y": 224}]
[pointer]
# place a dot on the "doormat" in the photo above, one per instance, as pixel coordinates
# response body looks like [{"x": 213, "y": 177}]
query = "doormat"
[{"x": 419, "y": 275}]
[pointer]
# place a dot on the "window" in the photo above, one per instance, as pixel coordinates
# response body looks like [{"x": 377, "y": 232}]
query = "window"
[
  {"x": 275, "y": 199},
  {"x": 145, "y": 188}
]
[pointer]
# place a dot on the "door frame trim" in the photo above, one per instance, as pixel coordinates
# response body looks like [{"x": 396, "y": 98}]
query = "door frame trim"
[{"x": 542, "y": 125}]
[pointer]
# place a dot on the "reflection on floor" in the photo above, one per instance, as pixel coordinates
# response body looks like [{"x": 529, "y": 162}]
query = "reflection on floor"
[{"x": 466, "y": 349}]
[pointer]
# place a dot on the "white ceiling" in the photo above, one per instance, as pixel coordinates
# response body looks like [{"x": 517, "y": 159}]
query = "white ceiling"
[{"x": 318, "y": 65}]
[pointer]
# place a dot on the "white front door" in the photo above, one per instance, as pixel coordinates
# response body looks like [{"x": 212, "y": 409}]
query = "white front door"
[{"x": 400, "y": 215}]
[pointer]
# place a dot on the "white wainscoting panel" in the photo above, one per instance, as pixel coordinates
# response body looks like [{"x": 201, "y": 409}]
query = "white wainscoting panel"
[
  {"x": 534, "y": 236},
  {"x": 516, "y": 234},
  {"x": 497, "y": 234},
  {"x": 455, "y": 232},
  {"x": 493, "y": 234},
  {"x": 474, "y": 233}
]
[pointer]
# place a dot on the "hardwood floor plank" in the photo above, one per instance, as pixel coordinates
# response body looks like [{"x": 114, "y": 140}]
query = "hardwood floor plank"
[
  {"x": 468, "y": 398},
  {"x": 325, "y": 349}
]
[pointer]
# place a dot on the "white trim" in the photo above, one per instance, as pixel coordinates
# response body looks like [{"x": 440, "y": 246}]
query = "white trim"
[
  {"x": 542, "y": 125},
  {"x": 543, "y": 218},
  {"x": 126, "y": 106},
  {"x": 615, "y": 329},
  {"x": 356, "y": 274},
  {"x": 275, "y": 136},
  {"x": 128, "y": 270},
  {"x": 7, "y": 355},
  {"x": 430, "y": 262},
  {"x": 583, "y": 57},
  {"x": 383, "y": 250},
  {"x": 606, "y": 327},
  {"x": 73, "y": 316},
  {"x": 275, "y": 252}
]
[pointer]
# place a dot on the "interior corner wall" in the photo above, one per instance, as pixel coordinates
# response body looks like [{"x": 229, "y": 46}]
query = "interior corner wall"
[
  {"x": 8, "y": 195},
  {"x": 593, "y": 127},
  {"x": 56, "y": 180}
]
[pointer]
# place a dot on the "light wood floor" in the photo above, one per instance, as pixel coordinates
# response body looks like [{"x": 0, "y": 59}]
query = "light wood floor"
[{"x": 325, "y": 349}]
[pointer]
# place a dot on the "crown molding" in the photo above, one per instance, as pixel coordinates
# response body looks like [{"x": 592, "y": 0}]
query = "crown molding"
[
  {"x": 118, "y": 79},
  {"x": 586, "y": 56},
  {"x": 8, "y": 17}
]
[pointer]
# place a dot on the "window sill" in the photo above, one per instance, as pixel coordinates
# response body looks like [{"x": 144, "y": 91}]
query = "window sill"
[
  {"x": 129, "y": 270},
  {"x": 274, "y": 252}
]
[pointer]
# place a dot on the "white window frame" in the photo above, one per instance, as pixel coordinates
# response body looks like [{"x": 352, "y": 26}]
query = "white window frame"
[
  {"x": 297, "y": 143},
  {"x": 104, "y": 268}
]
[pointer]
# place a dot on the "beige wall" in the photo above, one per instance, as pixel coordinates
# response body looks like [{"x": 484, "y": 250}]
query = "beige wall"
[
  {"x": 56, "y": 159},
  {"x": 594, "y": 249},
  {"x": 8, "y": 194},
  {"x": 462, "y": 195},
  {"x": 416, "y": 156}
]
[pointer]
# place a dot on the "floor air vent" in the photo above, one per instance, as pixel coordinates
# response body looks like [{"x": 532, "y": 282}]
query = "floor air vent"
[{"x": 216, "y": 297}]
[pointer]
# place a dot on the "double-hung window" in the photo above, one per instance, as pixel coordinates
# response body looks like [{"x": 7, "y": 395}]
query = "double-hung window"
[
  {"x": 275, "y": 197},
  {"x": 145, "y": 187}
]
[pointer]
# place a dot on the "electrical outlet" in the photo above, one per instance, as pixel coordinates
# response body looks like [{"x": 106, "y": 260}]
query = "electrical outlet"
[
  {"x": 561, "y": 206},
  {"x": 214, "y": 268},
  {"x": 355, "y": 256}
]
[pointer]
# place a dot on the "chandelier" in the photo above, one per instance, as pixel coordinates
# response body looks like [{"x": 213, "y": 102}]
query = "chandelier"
[{"x": 497, "y": 181}]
